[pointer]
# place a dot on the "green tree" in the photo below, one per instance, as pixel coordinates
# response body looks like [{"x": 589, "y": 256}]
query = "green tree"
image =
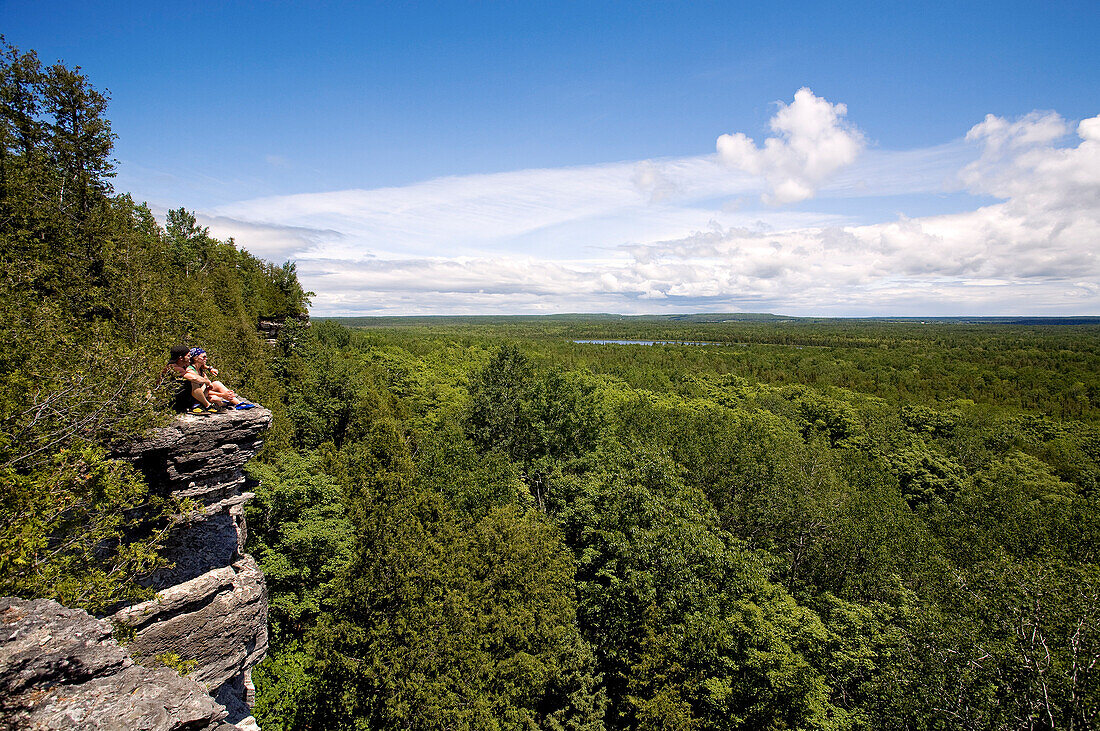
[
  {"x": 300, "y": 536},
  {"x": 683, "y": 618},
  {"x": 502, "y": 398},
  {"x": 80, "y": 139},
  {"x": 67, "y": 531},
  {"x": 445, "y": 621}
]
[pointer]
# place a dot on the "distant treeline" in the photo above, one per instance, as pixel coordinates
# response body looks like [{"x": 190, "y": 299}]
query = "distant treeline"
[
  {"x": 1051, "y": 368},
  {"x": 702, "y": 318}
]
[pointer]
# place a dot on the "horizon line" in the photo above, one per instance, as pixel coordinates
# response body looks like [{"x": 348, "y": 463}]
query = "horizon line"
[{"x": 675, "y": 315}]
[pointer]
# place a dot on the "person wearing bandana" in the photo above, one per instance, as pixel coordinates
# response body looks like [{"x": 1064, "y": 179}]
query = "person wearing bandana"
[{"x": 217, "y": 394}]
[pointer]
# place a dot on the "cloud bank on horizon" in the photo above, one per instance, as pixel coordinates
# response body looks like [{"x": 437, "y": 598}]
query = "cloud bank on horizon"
[{"x": 1009, "y": 224}]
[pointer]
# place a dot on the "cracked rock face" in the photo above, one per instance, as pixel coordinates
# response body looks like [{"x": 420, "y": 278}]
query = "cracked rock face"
[
  {"x": 219, "y": 620},
  {"x": 60, "y": 669}
]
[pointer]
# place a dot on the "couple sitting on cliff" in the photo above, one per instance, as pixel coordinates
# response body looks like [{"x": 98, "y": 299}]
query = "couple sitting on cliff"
[{"x": 198, "y": 394}]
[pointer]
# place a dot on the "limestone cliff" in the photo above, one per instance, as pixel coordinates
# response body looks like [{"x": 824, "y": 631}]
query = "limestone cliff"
[
  {"x": 210, "y": 609},
  {"x": 211, "y": 606}
]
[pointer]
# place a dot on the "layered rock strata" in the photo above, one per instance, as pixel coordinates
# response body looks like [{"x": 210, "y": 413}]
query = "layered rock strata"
[
  {"x": 211, "y": 605},
  {"x": 60, "y": 668},
  {"x": 269, "y": 326}
]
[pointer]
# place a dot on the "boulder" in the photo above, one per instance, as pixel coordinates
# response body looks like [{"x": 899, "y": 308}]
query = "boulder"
[{"x": 60, "y": 668}]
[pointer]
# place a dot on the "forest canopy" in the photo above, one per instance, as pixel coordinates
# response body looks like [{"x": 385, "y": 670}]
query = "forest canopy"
[{"x": 832, "y": 524}]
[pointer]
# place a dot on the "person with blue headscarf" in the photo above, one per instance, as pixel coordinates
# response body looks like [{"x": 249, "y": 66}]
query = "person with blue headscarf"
[{"x": 217, "y": 396}]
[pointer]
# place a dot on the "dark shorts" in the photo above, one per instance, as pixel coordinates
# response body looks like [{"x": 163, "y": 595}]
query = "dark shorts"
[{"x": 183, "y": 399}]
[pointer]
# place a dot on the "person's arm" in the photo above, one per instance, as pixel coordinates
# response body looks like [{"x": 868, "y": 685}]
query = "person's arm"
[{"x": 194, "y": 377}]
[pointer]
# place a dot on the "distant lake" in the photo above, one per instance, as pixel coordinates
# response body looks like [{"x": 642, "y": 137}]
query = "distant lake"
[{"x": 645, "y": 342}]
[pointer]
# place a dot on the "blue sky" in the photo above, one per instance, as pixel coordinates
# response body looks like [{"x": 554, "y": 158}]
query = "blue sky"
[{"x": 560, "y": 157}]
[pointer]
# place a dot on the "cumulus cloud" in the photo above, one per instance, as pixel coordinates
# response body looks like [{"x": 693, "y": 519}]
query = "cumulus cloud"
[
  {"x": 812, "y": 141},
  {"x": 1034, "y": 252},
  {"x": 1050, "y": 220},
  {"x": 1020, "y": 161},
  {"x": 998, "y": 135}
]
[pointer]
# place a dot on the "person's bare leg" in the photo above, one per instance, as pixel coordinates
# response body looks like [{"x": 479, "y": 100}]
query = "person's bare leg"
[
  {"x": 199, "y": 396},
  {"x": 218, "y": 390}
]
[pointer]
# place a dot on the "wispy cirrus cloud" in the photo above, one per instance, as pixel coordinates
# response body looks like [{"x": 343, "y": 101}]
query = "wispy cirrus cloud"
[
  {"x": 690, "y": 233},
  {"x": 476, "y": 213}
]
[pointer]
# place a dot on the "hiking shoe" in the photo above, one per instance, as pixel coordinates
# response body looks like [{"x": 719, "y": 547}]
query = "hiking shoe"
[
  {"x": 243, "y": 406},
  {"x": 197, "y": 410},
  {"x": 212, "y": 409}
]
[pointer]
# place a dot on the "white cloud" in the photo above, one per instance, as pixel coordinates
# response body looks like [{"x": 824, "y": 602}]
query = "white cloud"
[
  {"x": 1034, "y": 252},
  {"x": 650, "y": 180},
  {"x": 547, "y": 212},
  {"x": 277, "y": 242},
  {"x": 661, "y": 235},
  {"x": 999, "y": 135},
  {"x": 813, "y": 141},
  {"x": 1020, "y": 161},
  {"x": 558, "y": 213}
]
